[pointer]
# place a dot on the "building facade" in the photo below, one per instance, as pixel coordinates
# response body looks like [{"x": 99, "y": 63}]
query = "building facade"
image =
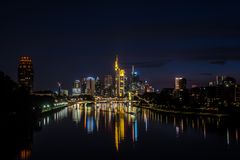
[
  {"x": 119, "y": 80},
  {"x": 76, "y": 90},
  {"x": 90, "y": 87},
  {"x": 180, "y": 83},
  {"x": 25, "y": 72}
]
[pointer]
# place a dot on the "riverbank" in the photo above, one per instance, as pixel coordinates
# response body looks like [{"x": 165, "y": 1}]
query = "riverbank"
[
  {"x": 185, "y": 112},
  {"x": 56, "y": 107}
]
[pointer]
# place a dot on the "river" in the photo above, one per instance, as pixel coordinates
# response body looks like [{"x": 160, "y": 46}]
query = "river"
[{"x": 109, "y": 131}]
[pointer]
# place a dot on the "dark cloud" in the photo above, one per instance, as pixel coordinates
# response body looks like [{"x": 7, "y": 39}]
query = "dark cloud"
[
  {"x": 146, "y": 64},
  {"x": 218, "y": 62},
  {"x": 206, "y": 74},
  {"x": 219, "y": 55}
]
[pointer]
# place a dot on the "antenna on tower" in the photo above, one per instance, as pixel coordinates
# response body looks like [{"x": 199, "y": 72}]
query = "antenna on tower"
[{"x": 133, "y": 70}]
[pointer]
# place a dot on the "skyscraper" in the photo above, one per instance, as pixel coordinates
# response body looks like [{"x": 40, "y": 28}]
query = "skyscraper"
[
  {"x": 25, "y": 72},
  {"x": 119, "y": 80},
  {"x": 98, "y": 87},
  {"x": 135, "y": 84},
  {"x": 76, "y": 90},
  {"x": 108, "y": 81},
  {"x": 108, "y": 86},
  {"x": 90, "y": 88},
  {"x": 180, "y": 83},
  {"x": 83, "y": 86}
]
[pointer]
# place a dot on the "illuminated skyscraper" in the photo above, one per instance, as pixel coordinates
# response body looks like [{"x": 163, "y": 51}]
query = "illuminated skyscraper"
[
  {"x": 108, "y": 81},
  {"x": 98, "y": 87},
  {"x": 76, "y": 90},
  {"x": 181, "y": 92},
  {"x": 119, "y": 80},
  {"x": 25, "y": 72},
  {"x": 90, "y": 88},
  {"x": 83, "y": 86},
  {"x": 180, "y": 83},
  {"x": 135, "y": 84},
  {"x": 108, "y": 86}
]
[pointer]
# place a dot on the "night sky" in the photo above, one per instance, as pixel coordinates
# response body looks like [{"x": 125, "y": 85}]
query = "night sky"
[{"x": 68, "y": 40}]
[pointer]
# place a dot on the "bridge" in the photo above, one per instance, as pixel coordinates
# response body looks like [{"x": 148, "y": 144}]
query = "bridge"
[
  {"x": 113, "y": 100},
  {"x": 120, "y": 105}
]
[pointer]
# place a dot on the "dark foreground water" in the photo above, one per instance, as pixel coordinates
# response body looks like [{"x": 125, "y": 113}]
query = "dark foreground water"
[{"x": 109, "y": 132}]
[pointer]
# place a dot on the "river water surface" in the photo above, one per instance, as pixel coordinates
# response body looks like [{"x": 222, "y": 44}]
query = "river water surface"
[{"x": 108, "y": 131}]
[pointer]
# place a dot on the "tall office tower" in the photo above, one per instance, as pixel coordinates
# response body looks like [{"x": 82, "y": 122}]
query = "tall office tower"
[
  {"x": 25, "y": 72},
  {"x": 76, "y": 90},
  {"x": 90, "y": 88},
  {"x": 108, "y": 81},
  {"x": 135, "y": 83},
  {"x": 219, "y": 80},
  {"x": 180, "y": 83},
  {"x": 119, "y": 80},
  {"x": 99, "y": 87},
  {"x": 83, "y": 86},
  {"x": 108, "y": 86}
]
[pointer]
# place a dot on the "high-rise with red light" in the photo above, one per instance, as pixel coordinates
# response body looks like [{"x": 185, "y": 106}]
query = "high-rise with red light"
[{"x": 25, "y": 72}]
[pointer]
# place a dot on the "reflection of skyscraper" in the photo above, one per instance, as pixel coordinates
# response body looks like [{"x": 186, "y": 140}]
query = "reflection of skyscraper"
[
  {"x": 119, "y": 80},
  {"x": 25, "y": 72},
  {"x": 90, "y": 88},
  {"x": 90, "y": 124}
]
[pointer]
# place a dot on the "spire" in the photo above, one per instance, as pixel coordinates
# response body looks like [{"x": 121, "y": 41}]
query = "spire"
[
  {"x": 116, "y": 63},
  {"x": 133, "y": 69}
]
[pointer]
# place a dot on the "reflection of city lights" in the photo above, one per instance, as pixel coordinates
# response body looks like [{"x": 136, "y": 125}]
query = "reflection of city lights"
[
  {"x": 236, "y": 134},
  {"x": 174, "y": 121},
  {"x": 92, "y": 115},
  {"x": 177, "y": 131},
  {"x": 228, "y": 139},
  {"x": 182, "y": 126},
  {"x": 90, "y": 124},
  {"x": 135, "y": 131},
  {"x": 146, "y": 122},
  {"x": 122, "y": 130},
  {"x": 204, "y": 132},
  {"x": 25, "y": 154},
  {"x": 116, "y": 136}
]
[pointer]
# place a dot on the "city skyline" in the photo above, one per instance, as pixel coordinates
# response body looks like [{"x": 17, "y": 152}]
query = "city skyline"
[
  {"x": 120, "y": 79},
  {"x": 70, "y": 40},
  {"x": 190, "y": 83}
]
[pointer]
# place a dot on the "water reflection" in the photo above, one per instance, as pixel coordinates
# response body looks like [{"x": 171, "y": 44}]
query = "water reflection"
[
  {"x": 53, "y": 118},
  {"x": 127, "y": 126},
  {"x": 124, "y": 121},
  {"x": 117, "y": 118},
  {"x": 204, "y": 124}
]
